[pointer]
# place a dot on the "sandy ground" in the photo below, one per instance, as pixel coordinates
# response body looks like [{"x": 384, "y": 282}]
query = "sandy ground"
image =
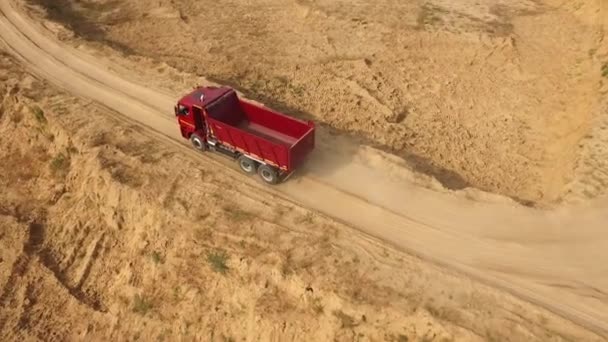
[
  {"x": 491, "y": 94},
  {"x": 548, "y": 257},
  {"x": 108, "y": 233}
]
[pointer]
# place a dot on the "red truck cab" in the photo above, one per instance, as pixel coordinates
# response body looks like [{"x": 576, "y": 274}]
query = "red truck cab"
[{"x": 262, "y": 140}]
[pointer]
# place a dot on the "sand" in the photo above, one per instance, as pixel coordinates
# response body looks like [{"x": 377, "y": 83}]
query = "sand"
[
  {"x": 114, "y": 214},
  {"x": 490, "y": 94},
  {"x": 108, "y": 233}
]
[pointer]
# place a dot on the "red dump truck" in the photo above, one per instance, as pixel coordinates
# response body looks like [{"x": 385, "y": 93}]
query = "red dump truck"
[{"x": 261, "y": 140}]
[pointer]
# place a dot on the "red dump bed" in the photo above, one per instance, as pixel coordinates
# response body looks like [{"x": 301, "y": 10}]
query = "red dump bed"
[{"x": 264, "y": 134}]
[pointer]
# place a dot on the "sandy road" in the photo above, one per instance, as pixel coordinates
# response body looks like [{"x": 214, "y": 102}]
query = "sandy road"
[{"x": 550, "y": 258}]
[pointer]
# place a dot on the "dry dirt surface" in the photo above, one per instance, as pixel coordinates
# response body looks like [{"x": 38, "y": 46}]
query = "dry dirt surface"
[
  {"x": 492, "y": 94},
  {"x": 548, "y": 257},
  {"x": 108, "y": 233}
]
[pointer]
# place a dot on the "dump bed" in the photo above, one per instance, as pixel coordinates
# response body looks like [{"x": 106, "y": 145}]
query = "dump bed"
[{"x": 262, "y": 133}]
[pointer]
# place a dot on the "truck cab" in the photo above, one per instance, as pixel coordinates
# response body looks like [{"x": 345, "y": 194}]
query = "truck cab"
[{"x": 190, "y": 110}]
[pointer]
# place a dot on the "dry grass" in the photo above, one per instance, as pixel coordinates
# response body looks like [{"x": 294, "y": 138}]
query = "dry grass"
[
  {"x": 398, "y": 338},
  {"x": 444, "y": 313},
  {"x": 60, "y": 164},
  {"x": 287, "y": 265},
  {"x": 317, "y": 306},
  {"x": 157, "y": 258},
  {"x": 429, "y": 15},
  {"x": 120, "y": 170},
  {"x": 308, "y": 218},
  {"x": 38, "y": 114},
  {"x": 346, "y": 321},
  {"x": 141, "y": 305},
  {"x": 236, "y": 214}
]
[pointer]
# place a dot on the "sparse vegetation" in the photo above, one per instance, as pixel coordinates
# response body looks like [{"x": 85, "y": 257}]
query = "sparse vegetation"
[
  {"x": 99, "y": 139},
  {"x": 120, "y": 170},
  {"x": 492, "y": 336},
  {"x": 306, "y": 218},
  {"x": 346, "y": 321},
  {"x": 429, "y": 15},
  {"x": 203, "y": 234},
  {"x": 39, "y": 114},
  {"x": 163, "y": 335},
  {"x": 60, "y": 163},
  {"x": 157, "y": 258},
  {"x": 443, "y": 313},
  {"x": 218, "y": 261},
  {"x": 236, "y": 214},
  {"x": 280, "y": 211},
  {"x": 295, "y": 89},
  {"x": 428, "y": 337},
  {"x": 605, "y": 70},
  {"x": 399, "y": 338},
  {"x": 141, "y": 305},
  {"x": 17, "y": 117},
  {"x": 286, "y": 266},
  {"x": 317, "y": 306},
  {"x": 591, "y": 52},
  {"x": 228, "y": 338},
  {"x": 186, "y": 327},
  {"x": 176, "y": 293}
]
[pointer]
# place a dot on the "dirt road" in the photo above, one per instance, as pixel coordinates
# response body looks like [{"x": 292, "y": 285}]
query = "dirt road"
[{"x": 550, "y": 258}]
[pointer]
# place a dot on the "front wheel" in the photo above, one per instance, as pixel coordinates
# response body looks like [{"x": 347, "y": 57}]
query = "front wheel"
[
  {"x": 268, "y": 174},
  {"x": 198, "y": 142}
]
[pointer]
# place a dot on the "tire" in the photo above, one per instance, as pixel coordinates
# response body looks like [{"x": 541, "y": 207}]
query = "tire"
[
  {"x": 247, "y": 165},
  {"x": 198, "y": 142},
  {"x": 268, "y": 174}
]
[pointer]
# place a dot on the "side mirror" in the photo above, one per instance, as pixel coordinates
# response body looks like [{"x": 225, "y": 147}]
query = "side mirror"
[{"x": 183, "y": 111}]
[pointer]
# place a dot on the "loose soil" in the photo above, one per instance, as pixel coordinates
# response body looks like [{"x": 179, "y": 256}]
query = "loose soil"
[
  {"x": 500, "y": 96},
  {"x": 107, "y": 233}
]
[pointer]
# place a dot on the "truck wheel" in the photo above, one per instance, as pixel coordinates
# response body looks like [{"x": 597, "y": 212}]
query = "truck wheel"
[
  {"x": 247, "y": 165},
  {"x": 268, "y": 174},
  {"x": 198, "y": 142}
]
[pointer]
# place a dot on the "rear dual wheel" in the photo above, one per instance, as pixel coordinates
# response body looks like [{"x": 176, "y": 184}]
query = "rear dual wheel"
[
  {"x": 247, "y": 165},
  {"x": 268, "y": 174}
]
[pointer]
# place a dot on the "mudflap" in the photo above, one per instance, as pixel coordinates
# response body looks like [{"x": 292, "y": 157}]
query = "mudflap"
[{"x": 285, "y": 176}]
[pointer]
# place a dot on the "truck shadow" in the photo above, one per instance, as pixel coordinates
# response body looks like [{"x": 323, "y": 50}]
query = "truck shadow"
[{"x": 337, "y": 148}]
